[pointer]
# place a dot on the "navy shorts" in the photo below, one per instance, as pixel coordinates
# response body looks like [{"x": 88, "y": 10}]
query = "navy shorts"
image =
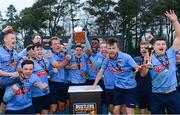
[
  {"x": 74, "y": 84},
  {"x": 162, "y": 102},
  {"x": 178, "y": 89},
  {"x": 58, "y": 92},
  {"x": 89, "y": 82},
  {"x": 2, "y": 91},
  {"x": 27, "y": 110},
  {"x": 109, "y": 96},
  {"x": 144, "y": 98},
  {"x": 41, "y": 103},
  {"x": 125, "y": 96}
]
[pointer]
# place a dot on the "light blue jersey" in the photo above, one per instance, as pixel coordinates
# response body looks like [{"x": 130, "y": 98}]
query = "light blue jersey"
[
  {"x": 60, "y": 75},
  {"x": 8, "y": 63},
  {"x": 75, "y": 74},
  {"x": 40, "y": 69},
  {"x": 164, "y": 79},
  {"x": 121, "y": 68},
  {"x": 23, "y": 98}
]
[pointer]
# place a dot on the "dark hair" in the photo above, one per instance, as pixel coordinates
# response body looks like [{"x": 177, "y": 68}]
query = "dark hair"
[
  {"x": 159, "y": 38},
  {"x": 112, "y": 42},
  {"x": 95, "y": 39},
  {"x": 78, "y": 46},
  {"x": 53, "y": 38},
  {"x": 144, "y": 42},
  {"x": 27, "y": 62},
  {"x": 30, "y": 46},
  {"x": 37, "y": 45},
  {"x": 35, "y": 36}
]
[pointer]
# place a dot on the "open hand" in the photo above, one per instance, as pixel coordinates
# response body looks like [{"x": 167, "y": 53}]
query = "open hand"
[
  {"x": 68, "y": 57},
  {"x": 171, "y": 15}
]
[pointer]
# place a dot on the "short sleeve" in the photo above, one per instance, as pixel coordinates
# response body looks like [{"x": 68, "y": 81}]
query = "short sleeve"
[
  {"x": 131, "y": 61},
  {"x": 104, "y": 64}
]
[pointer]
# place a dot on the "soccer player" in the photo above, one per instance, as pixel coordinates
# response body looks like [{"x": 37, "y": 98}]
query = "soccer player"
[
  {"x": 8, "y": 58},
  {"x": 36, "y": 39},
  {"x": 30, "y": 56},
  {"x": 120, "y": 65},
  {"x": 8, "y": 62},
  {"x": 164, "y": 82},
  {"x": 58, "y": 85},
  {"x": 94, "y": 62},
  {"x": 77, "y": 65},
  {"x": 178, "y": 69},
  {"x": 144, "y": 87},
  {"x": 41, "y": 65},
  {"x": 18, "y": 97},
  {"x": 108, "y": 79}
]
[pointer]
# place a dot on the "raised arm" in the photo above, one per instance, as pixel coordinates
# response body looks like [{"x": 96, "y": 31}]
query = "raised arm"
[
  {"x": 173, "y": 18},
  {"x": 5, "y": 30},
  {"x": 69, "y": 45},
  {"x": 88, "y": 46}
]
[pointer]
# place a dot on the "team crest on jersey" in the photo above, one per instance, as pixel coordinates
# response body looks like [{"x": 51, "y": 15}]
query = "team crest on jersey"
[{"x": 120, "y": 62}]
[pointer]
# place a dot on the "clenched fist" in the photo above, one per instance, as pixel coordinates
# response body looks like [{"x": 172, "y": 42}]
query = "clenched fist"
[
  {"x": 15, "y": 88},
  {"x": 45, "y": 86},
  {"x": 68, "y": 58},
  {"x": 88, "y": 52},
  {"x": 84, "y": 74}
]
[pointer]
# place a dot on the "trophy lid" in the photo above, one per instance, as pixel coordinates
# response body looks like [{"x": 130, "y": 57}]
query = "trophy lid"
[{"x": 78, "y": 29}]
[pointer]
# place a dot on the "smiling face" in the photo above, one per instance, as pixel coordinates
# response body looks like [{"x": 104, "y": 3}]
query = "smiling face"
[
  {"x": 103, "y": 48},
  {"x": 143, "y": 49},
  {"x": 27, "y": 70},
  {"x": 160, "y": 47},
  {"x": 38, "y": 52},
  {"x": 56, "y": 46},
  {"x": 37, "y": 39},
  {"x": 10, "y": 40},
  {"x": 95, "y": 45},
  {"x": 78, "y": 52}
]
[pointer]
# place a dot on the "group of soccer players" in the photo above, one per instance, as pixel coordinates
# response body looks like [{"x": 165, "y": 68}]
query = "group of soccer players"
[{"x": 36, "y": 81}]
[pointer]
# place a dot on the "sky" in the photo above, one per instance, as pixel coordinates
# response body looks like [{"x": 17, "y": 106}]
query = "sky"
[{"x": 18, "y": 4}]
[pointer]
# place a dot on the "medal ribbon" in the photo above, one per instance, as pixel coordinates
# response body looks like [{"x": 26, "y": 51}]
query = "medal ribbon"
[{"x": 164, "y": 63}]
